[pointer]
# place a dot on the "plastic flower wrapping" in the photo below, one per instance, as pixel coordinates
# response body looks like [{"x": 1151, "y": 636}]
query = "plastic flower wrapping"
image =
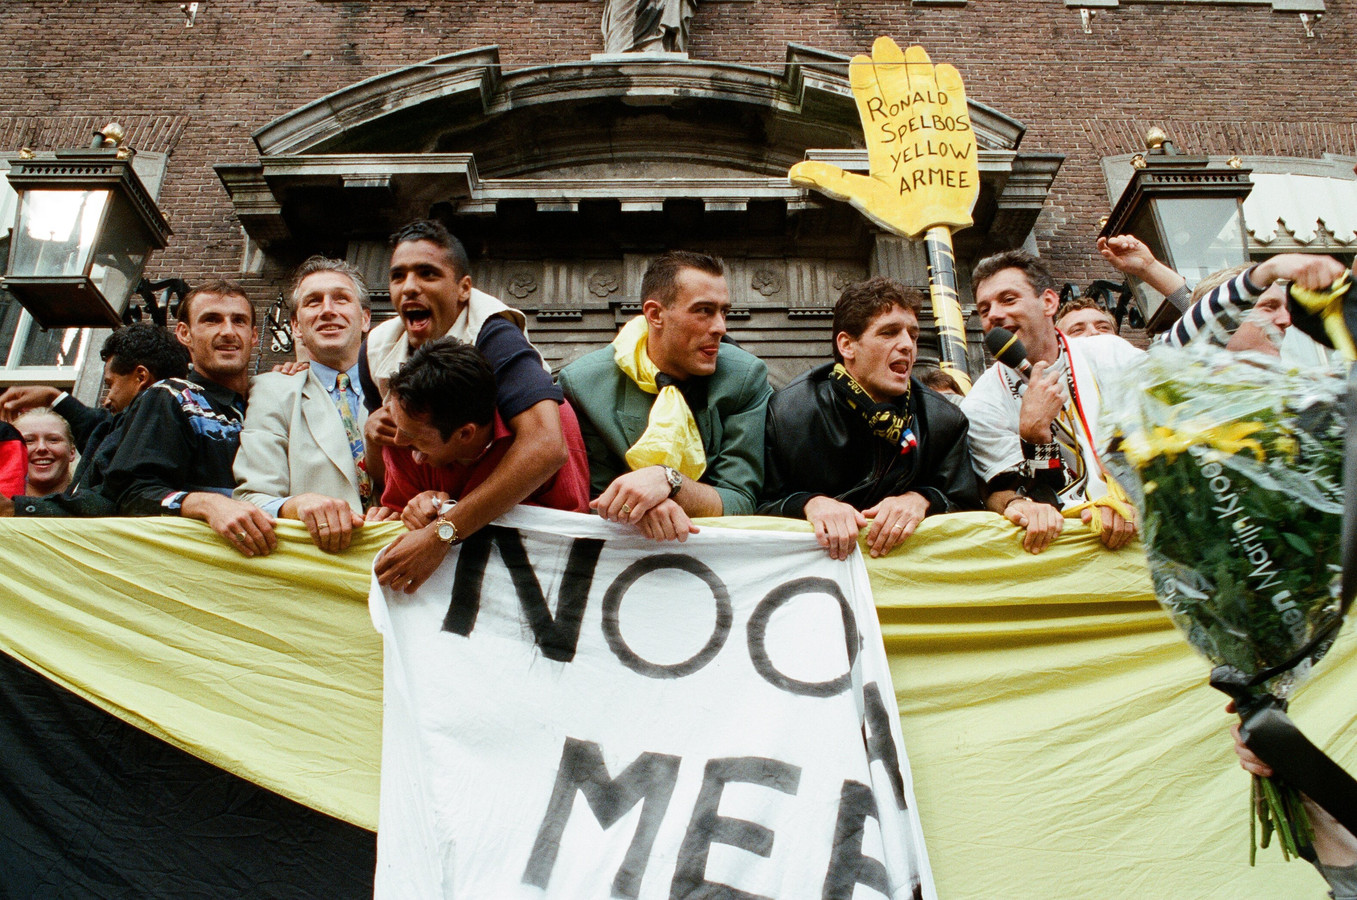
[{"x": 1235, "y": 463}]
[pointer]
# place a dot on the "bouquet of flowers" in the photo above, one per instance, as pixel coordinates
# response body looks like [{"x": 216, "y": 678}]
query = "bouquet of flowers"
[{"x": 1235, "y": 463}]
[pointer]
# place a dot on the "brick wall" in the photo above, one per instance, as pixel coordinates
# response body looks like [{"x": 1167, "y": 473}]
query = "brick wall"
[{"x": 1220, "y": 78}]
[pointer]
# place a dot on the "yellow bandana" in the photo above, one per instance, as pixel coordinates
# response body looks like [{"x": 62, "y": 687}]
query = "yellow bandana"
[{"x": 671, "y": 437}]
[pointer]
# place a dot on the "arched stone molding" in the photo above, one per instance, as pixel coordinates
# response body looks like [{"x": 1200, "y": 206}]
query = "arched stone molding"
[{"x": 554, "y": 173}]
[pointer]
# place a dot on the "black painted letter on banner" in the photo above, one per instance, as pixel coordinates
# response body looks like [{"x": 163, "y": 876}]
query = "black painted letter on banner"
[
  {"x": 847, "y": 866},
  {"x": 758, "y": 635},
  {"x": 650, "y": 778},
  {"x": 612, "y": 606},
  {"x": 707, "y": 827},
  {"x": 876, "y": 733},
  {"x": 556, "y": 636}
]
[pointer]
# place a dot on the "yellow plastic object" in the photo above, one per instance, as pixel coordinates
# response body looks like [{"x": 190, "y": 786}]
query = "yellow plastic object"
[{"x": 921, "y": 149}]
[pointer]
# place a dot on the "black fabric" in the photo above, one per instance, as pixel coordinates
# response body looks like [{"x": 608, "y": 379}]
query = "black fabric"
[
  {"x": 91, "y": 807},
  {"x": 816, "y": 445},
  {"x": 84, "y": 420},
  {"x": 1043, "y": 485},
  {"x": 372, "y": 398},
  {"x": 693, "y": 388},
  {"x": 180, "y": 434}
]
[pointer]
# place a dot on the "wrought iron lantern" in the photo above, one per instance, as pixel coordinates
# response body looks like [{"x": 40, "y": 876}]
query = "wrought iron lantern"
[
  {"x": 1188, "y": 211},
  {"x": 85, "y": 227}
]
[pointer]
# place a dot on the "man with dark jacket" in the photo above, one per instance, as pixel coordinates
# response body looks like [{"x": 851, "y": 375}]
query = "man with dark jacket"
[
  {"x": 860, "y": 440},
  {"x": 135, "y": 357},
  {"x": 181, "y": 434}
]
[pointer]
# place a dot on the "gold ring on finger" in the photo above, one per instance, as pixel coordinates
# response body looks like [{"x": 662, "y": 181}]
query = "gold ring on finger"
[
  {"x": 240, "y": 535},
  {"x": 626, "y": 509}
]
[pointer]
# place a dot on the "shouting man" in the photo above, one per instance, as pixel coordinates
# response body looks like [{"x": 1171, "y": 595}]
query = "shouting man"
[
  {"x": 859, "y": 439},
  {"x": 434, "y": 298}
]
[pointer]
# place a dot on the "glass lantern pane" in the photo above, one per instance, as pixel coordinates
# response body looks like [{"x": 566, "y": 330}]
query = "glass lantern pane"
[
  {"x": 56, "y": 231},
  {"x": 120, "y": 255},
  {"x": 1143, "y": 227},
  {"x": 10, "y": 312},
  {"x": 54, "y": 347},
  {"x": 1202, "y": 234}
]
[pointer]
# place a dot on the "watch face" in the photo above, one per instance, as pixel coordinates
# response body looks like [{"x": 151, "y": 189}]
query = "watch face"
[{"x": 447, "y": 532}]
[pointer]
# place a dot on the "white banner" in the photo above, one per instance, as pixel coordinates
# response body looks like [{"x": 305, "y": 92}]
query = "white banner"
[{"x": 573, "y": 711}]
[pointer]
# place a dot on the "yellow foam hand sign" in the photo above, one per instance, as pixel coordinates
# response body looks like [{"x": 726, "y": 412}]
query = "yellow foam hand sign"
[{"x": 920, "y": 147}]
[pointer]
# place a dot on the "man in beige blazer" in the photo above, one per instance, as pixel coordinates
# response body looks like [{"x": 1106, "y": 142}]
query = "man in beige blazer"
[{"x": 300, "y": 453}]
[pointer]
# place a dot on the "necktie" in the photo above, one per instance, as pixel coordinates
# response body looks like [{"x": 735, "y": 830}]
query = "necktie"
[{"x": 355, "y": 436}]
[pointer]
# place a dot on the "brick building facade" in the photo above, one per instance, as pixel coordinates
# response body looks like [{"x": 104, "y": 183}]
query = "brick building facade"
[{"x": 1220, "y": 77}]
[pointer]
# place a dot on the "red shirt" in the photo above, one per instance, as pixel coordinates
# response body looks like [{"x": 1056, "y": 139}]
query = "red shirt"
[{"x": 568, "y": 489}]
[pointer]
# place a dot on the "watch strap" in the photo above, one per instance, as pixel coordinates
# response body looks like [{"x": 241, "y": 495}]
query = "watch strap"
[{"x": 675, "y": 480}]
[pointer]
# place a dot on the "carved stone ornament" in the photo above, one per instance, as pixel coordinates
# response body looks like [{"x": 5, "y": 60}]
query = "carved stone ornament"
[
  {"x": 522, "y": 285},
  {"x": 601, "y": 284},
  {"x": 766, "y": 282},
  {"x": 842, "y": 279}
]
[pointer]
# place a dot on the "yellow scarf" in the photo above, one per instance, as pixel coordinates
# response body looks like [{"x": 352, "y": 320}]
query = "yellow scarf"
[
  {"x": 671, "y": 437},
  {"x": 1328, "y": 306}
]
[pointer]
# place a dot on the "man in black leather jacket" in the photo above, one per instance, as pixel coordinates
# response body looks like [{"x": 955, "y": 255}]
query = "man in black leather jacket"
[{"x": 860, "y": 440}]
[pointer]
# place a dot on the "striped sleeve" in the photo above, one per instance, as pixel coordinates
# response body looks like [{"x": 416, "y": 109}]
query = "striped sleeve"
[{"x": 1219, "y": 312}]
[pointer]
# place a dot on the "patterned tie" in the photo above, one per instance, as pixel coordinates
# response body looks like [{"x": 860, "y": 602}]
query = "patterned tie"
[{"x": 355, "y": 436}]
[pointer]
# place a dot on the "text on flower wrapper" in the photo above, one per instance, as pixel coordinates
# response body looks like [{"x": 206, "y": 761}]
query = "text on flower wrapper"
[{"x": 1244, "y": 535}]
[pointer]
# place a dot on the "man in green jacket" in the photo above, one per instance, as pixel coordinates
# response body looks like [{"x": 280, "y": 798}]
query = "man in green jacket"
[{"x": 672, "y": 418}]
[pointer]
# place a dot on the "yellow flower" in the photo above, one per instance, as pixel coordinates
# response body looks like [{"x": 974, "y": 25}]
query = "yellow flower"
[{"x": 1229, "y": 438}]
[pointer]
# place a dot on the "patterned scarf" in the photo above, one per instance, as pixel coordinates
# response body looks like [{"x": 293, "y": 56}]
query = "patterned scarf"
[{"x": 885, "y": 420}]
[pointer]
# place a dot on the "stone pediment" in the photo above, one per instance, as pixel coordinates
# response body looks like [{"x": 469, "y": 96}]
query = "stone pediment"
[
  {"x": 544, "y": 116},
  {"x": 457, "y": 133},
  {"x": 563, "y": 180}
]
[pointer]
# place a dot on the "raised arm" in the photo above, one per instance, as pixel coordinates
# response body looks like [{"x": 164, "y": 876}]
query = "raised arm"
[{"x": 1128, "y": 254}]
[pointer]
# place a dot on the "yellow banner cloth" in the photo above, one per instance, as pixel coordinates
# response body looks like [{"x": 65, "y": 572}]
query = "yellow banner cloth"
[{"x": 1063, "y": 739}]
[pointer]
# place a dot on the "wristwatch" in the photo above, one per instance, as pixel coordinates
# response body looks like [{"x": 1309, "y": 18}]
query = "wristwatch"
[
  {"x": 675, "y": 480},
  {"x": 446, "y": 530}
]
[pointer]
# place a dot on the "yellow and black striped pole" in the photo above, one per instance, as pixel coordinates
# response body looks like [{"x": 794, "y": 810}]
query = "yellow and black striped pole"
[{"x": 942, "y": 290}]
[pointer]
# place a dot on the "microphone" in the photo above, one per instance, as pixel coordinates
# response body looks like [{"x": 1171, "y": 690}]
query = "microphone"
[{"x": 1004, "y": 346}]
